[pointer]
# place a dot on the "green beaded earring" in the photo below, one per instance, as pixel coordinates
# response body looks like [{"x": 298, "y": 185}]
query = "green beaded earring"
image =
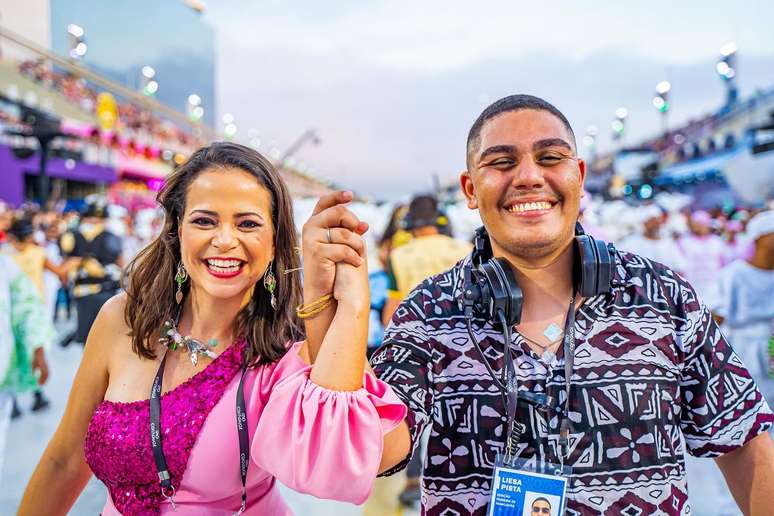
[{"x": 181, "y": 276}]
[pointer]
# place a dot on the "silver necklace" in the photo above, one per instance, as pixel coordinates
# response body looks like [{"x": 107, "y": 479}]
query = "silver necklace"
[
  {"x": 554, "y": 334},
  {"x": 172, "y": 339},
  {"x": 548, "y": 356}
]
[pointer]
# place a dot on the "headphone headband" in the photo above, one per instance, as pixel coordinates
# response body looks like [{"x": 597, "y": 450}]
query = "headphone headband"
[{"x": 490, "y": 284}]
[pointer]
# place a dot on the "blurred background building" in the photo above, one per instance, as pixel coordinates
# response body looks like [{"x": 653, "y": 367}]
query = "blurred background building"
[{"x": 106, "y": 100}]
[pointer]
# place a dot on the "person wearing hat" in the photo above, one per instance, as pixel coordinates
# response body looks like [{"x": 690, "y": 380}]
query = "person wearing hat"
[
  {"x": 430, "y": 251},
  {"x": 704, "y": 254},
  {"x": 96, "y": 256},
  {"x": 746, "y": 302}
]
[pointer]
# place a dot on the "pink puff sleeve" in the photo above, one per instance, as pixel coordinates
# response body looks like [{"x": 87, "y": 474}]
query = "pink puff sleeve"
[{"x": 322, "y": 442}]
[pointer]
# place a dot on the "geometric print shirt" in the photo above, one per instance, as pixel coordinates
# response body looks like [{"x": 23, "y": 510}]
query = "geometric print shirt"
[{"x": 653, "y": 378}]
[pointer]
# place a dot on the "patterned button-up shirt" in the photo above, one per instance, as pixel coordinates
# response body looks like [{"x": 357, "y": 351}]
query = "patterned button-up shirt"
[{"x": 652, "y": 371}]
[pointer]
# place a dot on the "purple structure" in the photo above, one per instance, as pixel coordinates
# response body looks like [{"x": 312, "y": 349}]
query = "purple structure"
[{"x": 13, "y": 170}]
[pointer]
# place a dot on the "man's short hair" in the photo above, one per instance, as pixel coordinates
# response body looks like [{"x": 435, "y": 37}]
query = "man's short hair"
[{"x": 505, "y": 105}]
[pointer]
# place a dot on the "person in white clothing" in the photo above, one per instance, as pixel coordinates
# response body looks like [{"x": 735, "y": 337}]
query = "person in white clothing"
[
  {"x": 704, "y": 255},
  {"x": 746, "y": 302},
  {"x": 651, "y": 243}
]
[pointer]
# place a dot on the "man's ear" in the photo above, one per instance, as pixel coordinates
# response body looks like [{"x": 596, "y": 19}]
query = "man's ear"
[
  {"x": 468, "y": 189},
  {"x": 582, "y": 173}
]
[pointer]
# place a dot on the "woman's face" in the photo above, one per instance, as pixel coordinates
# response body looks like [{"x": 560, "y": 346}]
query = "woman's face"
[{"x": 226, "y": 233}]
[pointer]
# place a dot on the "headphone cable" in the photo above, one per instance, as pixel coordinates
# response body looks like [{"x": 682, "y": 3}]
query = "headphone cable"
[{"x": 499, "y": 383}]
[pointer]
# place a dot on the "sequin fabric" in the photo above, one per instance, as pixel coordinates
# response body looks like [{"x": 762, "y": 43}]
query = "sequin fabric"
[{"x": 117, "y": 444}]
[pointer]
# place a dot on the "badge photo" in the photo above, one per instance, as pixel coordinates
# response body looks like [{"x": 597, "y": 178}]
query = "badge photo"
[{"x": 517, "y": 492}]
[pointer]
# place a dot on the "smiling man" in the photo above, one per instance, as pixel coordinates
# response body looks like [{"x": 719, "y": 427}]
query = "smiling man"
[{"x": 649, "y": 369}]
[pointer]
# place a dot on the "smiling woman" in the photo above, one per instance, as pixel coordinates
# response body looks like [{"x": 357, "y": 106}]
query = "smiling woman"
[
  {"x": 226, "y": 207},
  {"x": 208, "y": 324}
]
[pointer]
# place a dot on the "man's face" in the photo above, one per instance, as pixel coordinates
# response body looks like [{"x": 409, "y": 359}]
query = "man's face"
[
  {"x": 526, "y": 182},
  {"x": 541, "y": 508}
]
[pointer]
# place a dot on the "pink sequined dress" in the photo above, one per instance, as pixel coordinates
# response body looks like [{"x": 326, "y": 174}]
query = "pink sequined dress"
[{"x": 314, "y": 440}]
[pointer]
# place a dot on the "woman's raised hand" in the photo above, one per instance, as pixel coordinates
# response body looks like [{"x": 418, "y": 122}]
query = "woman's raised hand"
[
  {"x": 333, "y": 234},
  {"x": 350, "y": 287}
]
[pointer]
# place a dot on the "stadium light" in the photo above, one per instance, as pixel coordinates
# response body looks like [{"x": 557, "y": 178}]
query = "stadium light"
[
  {"x": 661, "y": 102},
  {"x": 150, "y": 88},
  {"x": 619, "y": 123},
  {"x": 194, "y": 107},
  {"x": 148, "y": 84},
  {"x": 78, "y": 47},
  {"x": 726, "y": 69}
]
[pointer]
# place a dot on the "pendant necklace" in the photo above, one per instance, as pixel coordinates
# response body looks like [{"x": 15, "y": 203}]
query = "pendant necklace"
[
  {"x": 548, "y": 356},
  {"x": 172, "y": 339}
]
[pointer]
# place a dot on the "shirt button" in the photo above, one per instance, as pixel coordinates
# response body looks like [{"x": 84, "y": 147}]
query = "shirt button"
[{"x": 503, "y": 419}]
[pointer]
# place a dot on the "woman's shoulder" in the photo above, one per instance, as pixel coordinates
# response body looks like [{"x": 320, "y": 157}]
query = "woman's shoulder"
[
  {"x": 110, "y": 329},
  {"x": 112, "y": 312}
]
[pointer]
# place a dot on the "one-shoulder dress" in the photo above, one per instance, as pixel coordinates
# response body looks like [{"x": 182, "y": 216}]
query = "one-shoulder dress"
[{"x": 314, "y": 440}]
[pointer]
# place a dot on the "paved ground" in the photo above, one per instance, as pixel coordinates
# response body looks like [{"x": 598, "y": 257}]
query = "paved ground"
[{"x": 29, "y": 435}]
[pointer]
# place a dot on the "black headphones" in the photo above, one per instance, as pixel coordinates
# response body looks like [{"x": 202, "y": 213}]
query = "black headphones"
[{"x": 491, "y": 291}]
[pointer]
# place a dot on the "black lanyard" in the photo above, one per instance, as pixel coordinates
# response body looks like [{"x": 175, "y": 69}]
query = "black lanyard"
[
  {"x": 509, "y": 386},
  {"x": 167, "y": 489}
]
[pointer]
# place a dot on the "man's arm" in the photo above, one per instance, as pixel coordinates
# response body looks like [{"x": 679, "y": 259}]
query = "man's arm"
[
  {"x": 749, "y": 473},
  {"x": 404, "y": 362}
]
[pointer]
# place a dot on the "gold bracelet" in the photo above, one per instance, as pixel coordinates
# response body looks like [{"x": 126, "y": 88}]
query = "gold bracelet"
[{"x": 307, "y": 311}]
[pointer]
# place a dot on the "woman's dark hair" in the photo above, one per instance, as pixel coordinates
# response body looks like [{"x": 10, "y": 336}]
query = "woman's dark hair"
[
  {"x": 393, "y": 225},
  {"x": 149, "y": 278}
]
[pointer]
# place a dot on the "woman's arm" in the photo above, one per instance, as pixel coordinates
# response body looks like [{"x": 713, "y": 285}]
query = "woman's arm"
[
  {"x": 320, "y": 258},
  {"x": 340, "y": 363},
  {"x": 62, "y": 472}
]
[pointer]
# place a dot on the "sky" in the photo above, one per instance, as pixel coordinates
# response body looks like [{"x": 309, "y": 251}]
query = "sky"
[{"x": 391, "y": 88}]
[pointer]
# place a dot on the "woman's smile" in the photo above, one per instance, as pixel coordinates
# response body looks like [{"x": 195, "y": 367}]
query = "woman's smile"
[{"x": 224, "y": 267}]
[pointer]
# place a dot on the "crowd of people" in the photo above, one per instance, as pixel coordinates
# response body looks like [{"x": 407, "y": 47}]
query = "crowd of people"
[
  {"x": 135, "y": 125},
  {"x": 666, "y": 347}
]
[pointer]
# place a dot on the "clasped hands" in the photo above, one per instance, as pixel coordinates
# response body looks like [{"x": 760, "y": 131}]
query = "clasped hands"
[{"x": 334, "y": 253}]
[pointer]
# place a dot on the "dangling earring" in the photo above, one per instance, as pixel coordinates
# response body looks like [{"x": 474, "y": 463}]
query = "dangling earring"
[
  {"x": 180, "y": 277},
  {"x": 270, "y": 284}
]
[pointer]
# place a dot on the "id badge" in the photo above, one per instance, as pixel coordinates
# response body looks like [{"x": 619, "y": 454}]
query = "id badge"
[{"x": 519, "y": 490}]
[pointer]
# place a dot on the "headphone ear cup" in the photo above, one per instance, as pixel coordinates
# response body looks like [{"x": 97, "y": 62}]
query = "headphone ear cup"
[
  {"x": 504, "y": 292},
  {"x": 605, "y": 267},
  {"x": 585, "y": 282},
  {"x": 595, "y": 267}
]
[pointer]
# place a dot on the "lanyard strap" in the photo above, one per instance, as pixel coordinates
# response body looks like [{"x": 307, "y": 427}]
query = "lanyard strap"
[
  {"x": 514, "y": 429},
  {"x": 569, "y": 363},
  {"x": 244, "y": 439},
  {"x": 511, "y": 386},
  {"x": 167, "y": 489}
]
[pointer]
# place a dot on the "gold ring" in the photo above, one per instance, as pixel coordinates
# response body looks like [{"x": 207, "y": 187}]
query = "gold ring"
[{"x": 328, "y": 232}]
